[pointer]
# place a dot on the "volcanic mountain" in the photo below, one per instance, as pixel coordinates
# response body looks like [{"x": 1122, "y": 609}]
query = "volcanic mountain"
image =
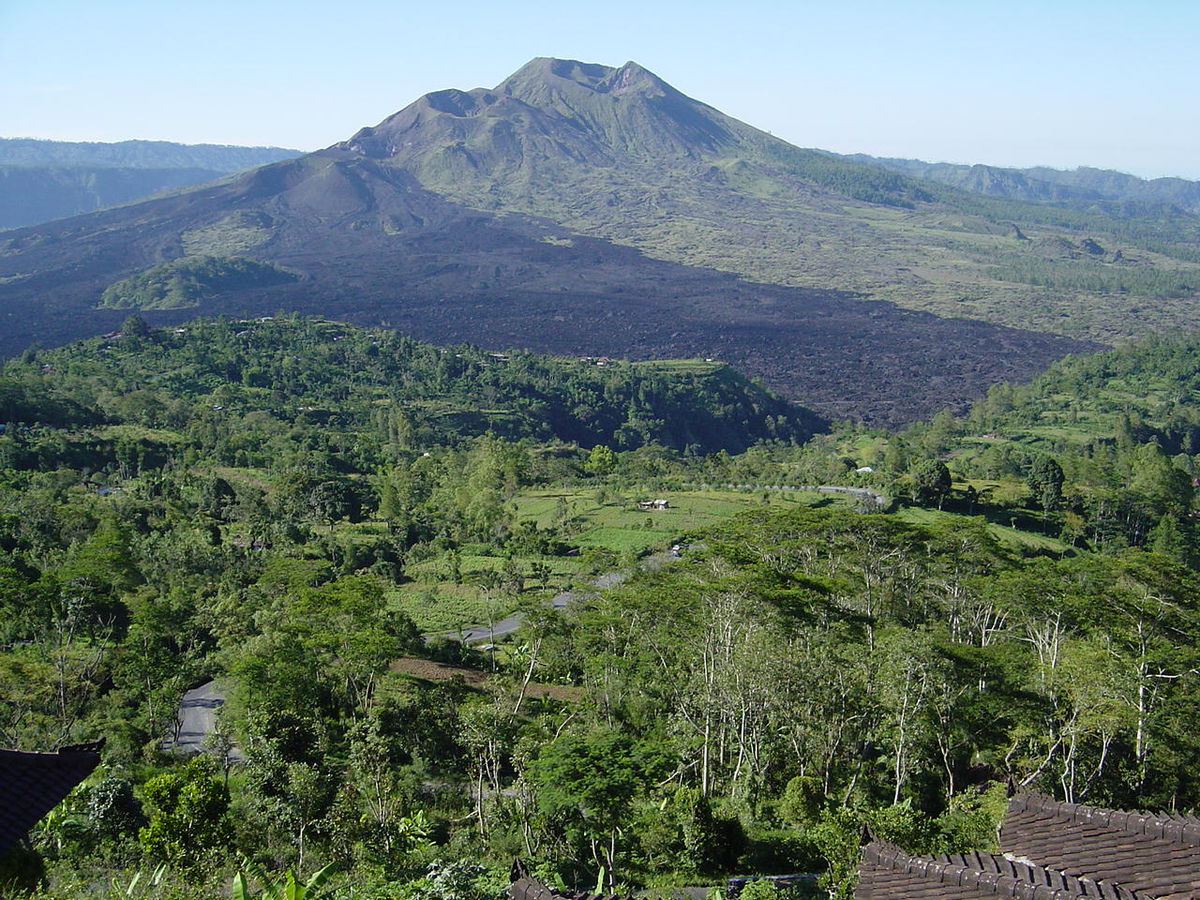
[{"x": 568, "y": 210}]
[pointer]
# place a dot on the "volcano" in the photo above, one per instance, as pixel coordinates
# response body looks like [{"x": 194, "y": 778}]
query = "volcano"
[{"x": 535, "y": 215}]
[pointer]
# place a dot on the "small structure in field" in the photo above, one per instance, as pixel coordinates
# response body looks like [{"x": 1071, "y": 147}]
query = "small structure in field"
[{"x": 654, "y": 504}]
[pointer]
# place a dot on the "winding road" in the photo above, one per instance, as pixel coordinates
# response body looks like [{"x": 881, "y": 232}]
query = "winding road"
[
  {"x": 509, "y": 624},
  {"x": 196, "y": 719}
]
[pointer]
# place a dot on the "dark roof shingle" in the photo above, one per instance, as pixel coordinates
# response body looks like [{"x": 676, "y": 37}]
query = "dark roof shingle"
[
  {"x": 1155, "y": 854},
  {"x": 889, "y": 873},
  {"x": 32, "y": 784}
]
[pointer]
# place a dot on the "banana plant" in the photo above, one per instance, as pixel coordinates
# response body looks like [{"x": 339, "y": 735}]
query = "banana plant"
[
  {"x": 287, "y": 889},
  {"x": 136, "y": 889}
]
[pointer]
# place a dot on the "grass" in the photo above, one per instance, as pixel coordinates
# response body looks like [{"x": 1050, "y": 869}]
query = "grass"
[
  {"x": 1009, "y": 537},
  {"x": 437, "y": 604},
  {"x": 447, "y": 607},
  {"x": 620, "y": 526},
  {"x": 678, "y": 366}
]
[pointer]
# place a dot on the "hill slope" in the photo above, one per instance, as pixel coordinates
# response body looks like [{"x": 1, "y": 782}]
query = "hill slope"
[
  {"x": 618, "y": 153},
  {"x": 371, "y": 247},
  {"x": 305, "y": 371},
  {"x": 1145, "y": 392}
]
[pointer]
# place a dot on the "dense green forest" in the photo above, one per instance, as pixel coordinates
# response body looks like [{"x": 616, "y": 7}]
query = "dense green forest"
[
  {"x": 303, "y": 510},
  {"x": 187, "y": 281},
  {"x": 396, "y": 394}
]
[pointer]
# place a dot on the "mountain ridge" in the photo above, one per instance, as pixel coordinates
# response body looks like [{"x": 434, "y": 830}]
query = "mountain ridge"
[
  {"x": 527, "y": 215},
  {"x": 1079, "y": 186},
  {"x": 137, "y": 154}
]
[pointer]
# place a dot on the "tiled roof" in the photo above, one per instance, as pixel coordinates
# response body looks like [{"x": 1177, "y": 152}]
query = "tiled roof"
[
  {"x": 889, "y": 873},
  {"x": 1154, "y": 854},
  {"x": 32, "y": 784}
]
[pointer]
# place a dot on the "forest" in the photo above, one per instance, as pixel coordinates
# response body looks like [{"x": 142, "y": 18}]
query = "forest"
[{"x": 734, "y": 684}]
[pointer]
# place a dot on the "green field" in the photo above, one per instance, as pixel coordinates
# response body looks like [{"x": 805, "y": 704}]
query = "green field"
[
  {"x": 610, "y": 534},
  {"x": 1010, "y": 538},
  {"x": 618, "y": 524}
]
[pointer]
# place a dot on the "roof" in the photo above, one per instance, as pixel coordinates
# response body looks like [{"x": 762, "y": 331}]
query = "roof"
[
  {"x": 1050, "y": 850},
  {"x": 889, "y": 873},
  {"x": 32, "y": 784},
  {"x": 1154, "y": 854}
]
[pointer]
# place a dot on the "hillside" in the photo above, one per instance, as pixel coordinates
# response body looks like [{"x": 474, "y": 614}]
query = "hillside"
[
  {"x": 44, "y": 180},
  {"x": 1149, "y": 391},
  {"x": 294, "y": 513},
  {"x": 588, "y": 210},
  {"x": 307, "y": 373},
  {"x": 618, "y": 153}
]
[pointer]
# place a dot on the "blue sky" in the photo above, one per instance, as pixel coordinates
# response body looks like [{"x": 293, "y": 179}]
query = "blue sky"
[{"x": 1008, "y": 83}]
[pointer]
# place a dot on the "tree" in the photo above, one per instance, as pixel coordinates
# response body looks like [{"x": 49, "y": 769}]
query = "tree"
[
  {"x": 802, "y": 801},
  {"x": 1046, "y": 481},
  {"x": 135, "y": 326},
  {"x": 1155, "y": 480},
  {"x": 587, "y": 782},
  {"x": 331, "y": 500},
  {"x": 601, "y": 461},
  {"x": 189, "y": 819},
  {"x": 113, "y": 812},
  {"x": 931, "y": 483}
]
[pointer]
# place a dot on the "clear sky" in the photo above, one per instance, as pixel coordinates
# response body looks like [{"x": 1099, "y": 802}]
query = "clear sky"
[{"x": 1057, "y": 82}]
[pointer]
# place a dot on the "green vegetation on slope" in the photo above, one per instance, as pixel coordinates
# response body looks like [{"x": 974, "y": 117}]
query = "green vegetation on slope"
[
  {"x": 406, "y": 393},
  {"x": 1147, "y": 391},
  {"x": 278, "y": 504},
  {"x": 187, "y": 281}
]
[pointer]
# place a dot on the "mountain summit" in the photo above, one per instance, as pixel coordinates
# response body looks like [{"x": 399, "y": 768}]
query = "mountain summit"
[
  {"x": 620, "y": 154},
  {"x": 547, "y": 114},
  {"x": 596, "y": 130},
  {"x": 574, "y": 208}
]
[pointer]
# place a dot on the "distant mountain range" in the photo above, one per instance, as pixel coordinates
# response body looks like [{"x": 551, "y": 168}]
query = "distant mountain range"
[
  {"x": 45, "y": 180},
  {"x": 583, "y": 209},
  {"x": 1095, "y": 190}
]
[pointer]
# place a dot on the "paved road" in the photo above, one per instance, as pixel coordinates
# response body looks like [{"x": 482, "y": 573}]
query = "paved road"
[
  {"x": 197, "y": 718},
  {"x": 484, "y": 633}
]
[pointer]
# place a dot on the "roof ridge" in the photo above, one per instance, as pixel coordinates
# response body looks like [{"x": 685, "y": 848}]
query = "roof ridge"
[
  {"x": 1176, "y": 827},
  {"x": 996, "y": 874}
]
